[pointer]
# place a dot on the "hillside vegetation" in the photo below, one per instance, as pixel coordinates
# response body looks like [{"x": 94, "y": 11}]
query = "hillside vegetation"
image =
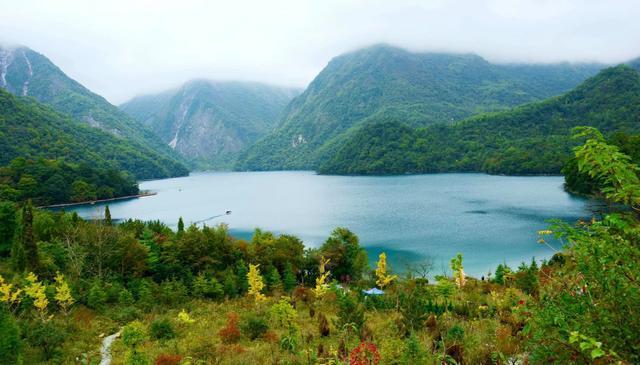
[
  {"x": 199, "y": 296},
  {"x": 30, "y": 74},
  {"x": 32, "y": 130},
  {"x": 47, "y": 182},
  {"x": 529, "y": 139},
  {"x": 387, "y": 83}
]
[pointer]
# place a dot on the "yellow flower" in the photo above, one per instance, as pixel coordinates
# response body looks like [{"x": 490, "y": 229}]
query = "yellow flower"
[{"x": 183, "y": 316}]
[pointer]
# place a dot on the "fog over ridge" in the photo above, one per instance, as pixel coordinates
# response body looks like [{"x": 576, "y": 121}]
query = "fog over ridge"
[{"x": 120, "y": 49}]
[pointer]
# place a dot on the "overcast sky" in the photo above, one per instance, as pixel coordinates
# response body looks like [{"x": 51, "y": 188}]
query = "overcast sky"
[{"x": 121, "y": 48}]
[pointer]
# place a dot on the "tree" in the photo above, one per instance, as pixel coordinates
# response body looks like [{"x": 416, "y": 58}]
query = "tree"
[
  {"x": 28, "y": 240},
  {"x": 107, "y": 216},
  {"x": 255, "y": 283},
  {"x": 348, "y": 261},
  {"x": 7, "y": 227},
  {"x": 590, "y": 307},
  {"x": 180, "y": 226},
  {"x": 274, "y": 280},
  {"x": 63, "y": 296},
  {"x": 289, "y": 278},
  {"x": 458, "y": 270},
  {"x": 383, "y": 279}
]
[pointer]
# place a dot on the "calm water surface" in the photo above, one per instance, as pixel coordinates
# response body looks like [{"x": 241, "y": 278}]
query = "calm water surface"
[{"x": 489, "y": 219}]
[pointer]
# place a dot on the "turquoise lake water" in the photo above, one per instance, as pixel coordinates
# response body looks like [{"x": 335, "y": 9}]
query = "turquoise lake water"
[{"x": 489, "y": 219}]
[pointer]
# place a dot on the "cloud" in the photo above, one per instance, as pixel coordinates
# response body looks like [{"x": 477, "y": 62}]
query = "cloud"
[{"x": 121, "y": 48}]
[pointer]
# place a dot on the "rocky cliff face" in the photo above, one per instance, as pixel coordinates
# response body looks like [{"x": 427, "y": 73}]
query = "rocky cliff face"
[{"x": 209, "y": 122}]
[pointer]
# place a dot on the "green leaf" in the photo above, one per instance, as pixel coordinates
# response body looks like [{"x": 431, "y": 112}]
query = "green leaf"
[{"x": 596, "y": 353}]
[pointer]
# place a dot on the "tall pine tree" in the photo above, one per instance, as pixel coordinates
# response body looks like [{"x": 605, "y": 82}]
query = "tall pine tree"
[
  {"x": 7, "y": 227},
  {"x": 180, "y": 225},
  {"x": 107, "y": 215},
  {"x": 28, "y": 240}
]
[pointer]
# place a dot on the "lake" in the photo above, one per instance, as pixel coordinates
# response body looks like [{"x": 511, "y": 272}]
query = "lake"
[{"x": 413, "y": 218}]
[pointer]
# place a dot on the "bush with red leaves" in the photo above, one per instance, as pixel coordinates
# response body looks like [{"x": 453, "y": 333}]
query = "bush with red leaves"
[
  {"x": 365, "y": 354},
  {"x": 231, "y": 333},
  {"x": 168, "y": 359}
]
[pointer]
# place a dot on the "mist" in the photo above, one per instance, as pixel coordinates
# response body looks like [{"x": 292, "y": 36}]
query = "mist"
[{"x": 120, "y": 49}]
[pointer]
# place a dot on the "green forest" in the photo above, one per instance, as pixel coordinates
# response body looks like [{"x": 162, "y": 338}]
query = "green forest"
[
  {"x": 32, "y": 130},
  {"x": 530, "y": 139},
  {"x": 383, "y": 82},
  {"x": 46, "y": 88},
  {"x": 47, "y": 182},
  {"x": 197, "y": 295}
]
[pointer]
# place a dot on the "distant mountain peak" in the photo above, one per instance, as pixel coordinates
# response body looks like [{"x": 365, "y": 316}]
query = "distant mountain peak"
[{"x": 209, "y": 121}]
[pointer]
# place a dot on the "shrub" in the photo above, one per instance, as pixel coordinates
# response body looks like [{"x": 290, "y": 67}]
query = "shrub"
[
  {"x": 125, "y": 314},
  {"x": 162, "y": 329},
  {"x": 48, "y": 336},
  {"x": 455, "y": 334},
  {"x": 125, "y": 297},
  {"x": 230, "y": 333},
  {"x": 173, "y": 291},
  {"x": 133, "y": 334},
  {"x": 10, "y": 345},
  {"x": 350, "y": 312},
  {"x": 204, "y": 287},
  {"x": 254, "y": 326},
  {"x": 364, "y": 354},
  {"x": 97, "y": 297},
  {"x": 323, "y": 325},
  {"x": 413, "y": 353},
  {"x": 167, "y": 359}
]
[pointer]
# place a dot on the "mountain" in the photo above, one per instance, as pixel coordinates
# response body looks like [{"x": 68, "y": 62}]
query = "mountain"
[
  {"x": 32, "y": 130},
  {"x": 529, "y": 139},
  {"x": 24, "y": 72},
  {"x": 417, "y": 88},
  {"x": 210, "y": 122}
]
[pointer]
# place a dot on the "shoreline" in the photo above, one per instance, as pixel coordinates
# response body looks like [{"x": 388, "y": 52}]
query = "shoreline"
[{"x": 91, "y": 202}]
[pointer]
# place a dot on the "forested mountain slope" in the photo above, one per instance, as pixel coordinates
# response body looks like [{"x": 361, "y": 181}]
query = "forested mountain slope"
[
  {"x": 530, "y": 139},
  {"x": 25, "y": 72},
  {"x": 420, "y": 89},
  {"x": 32, "y": 130}
]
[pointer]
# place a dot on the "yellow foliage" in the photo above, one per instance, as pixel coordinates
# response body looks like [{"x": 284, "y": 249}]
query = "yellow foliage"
[
  {"x": 321, "y": 280},
  {"x": 383, "y": 279},
  {"x": 255, "y": 283},
  {"x": 8, "y": 295},
  {"x": 184, "y": 317},
  {"x": 63, "y": 293},
  {"x": 36, "y": 290}
]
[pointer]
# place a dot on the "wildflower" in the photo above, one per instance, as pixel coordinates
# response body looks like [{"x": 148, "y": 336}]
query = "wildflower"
[{"x": 183, "y": 316}]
